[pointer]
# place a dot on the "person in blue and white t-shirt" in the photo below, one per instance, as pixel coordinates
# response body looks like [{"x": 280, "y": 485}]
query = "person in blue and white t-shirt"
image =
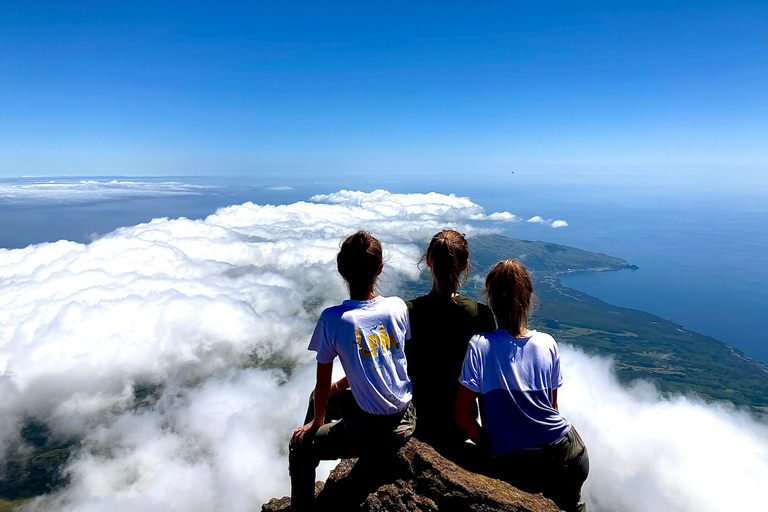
[
  {"x": 370, "y": 409},
  {"x": 516, "y": 373}
]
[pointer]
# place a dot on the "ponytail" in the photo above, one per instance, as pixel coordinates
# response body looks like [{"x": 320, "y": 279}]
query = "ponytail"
[
  {"x": 510, "y": 294},
  {"x": 448, "y": 258}
]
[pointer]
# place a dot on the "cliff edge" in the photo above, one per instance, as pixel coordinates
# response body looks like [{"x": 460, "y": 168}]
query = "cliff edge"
[{"x": 416, "y": 479}]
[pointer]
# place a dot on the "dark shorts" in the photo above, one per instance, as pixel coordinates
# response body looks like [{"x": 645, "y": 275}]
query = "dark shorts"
[
  {"x": 349, "y": 432},
  {"x": 557, "y": 471}
]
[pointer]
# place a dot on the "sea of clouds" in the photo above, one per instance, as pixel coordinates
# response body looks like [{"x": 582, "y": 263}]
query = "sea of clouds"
[{"x": 212, "y": 315}]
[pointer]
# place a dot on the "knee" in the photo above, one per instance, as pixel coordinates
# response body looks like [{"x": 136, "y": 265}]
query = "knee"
[
  {"x": 301, "y": 457},
  {"x": 579, "y": 456}
]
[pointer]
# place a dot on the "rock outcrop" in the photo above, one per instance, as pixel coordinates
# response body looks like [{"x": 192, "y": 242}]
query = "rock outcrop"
[{"x": 416, "y": 479}]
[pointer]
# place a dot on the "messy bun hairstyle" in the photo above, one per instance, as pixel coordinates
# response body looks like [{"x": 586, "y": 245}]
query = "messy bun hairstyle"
[
  {"x": 448, "y": 258},
  {"x": 359, "y": 259},
  {"x": 510, "y": 294}
]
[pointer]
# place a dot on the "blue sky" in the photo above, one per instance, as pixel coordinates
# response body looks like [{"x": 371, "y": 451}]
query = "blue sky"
[{"x": 164, "y": 88}]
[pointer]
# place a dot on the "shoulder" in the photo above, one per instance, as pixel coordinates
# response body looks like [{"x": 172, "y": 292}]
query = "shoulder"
[
  {"x": 471, "y": 306},
  {"x": 483, "y": 346},
  {"x": 481, "y": 315},
  {"x": 543, "y": 339},
  {"x": 393, "y": 304},
  {"x": 333, "y": 311},
  {"x": 393, "y": 301},
  {"x": 544, "y": 345},
  {"x": 332, "y": 314},
  {"x": 482, "y": 342},
  {"x": 466, "y": 303},
  {"x": 415, "y": 303}
]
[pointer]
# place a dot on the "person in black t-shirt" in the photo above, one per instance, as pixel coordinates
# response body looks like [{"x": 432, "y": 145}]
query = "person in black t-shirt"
[{"x": 442, "y": 322}]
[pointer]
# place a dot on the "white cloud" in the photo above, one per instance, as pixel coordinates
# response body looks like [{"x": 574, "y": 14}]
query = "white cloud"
[
  {"x": 186, "y": 305},
  {"x": 63, "y": 191},
  {"x": 504, "y": 216},
  {"x": 537, "y": 219},
  {"x": 649, "y": 453},
  {"x": 432, "y": 208},
  {"x": 174, "y": 302},
  {"x": 280, "y": 188}
]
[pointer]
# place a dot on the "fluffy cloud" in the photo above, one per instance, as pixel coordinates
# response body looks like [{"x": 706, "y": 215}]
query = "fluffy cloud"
[
  {"x": 537, "y": 219},
  {"x": 504, "y": 216},
  {"x": 214, "y": 315},
  {"x": 432, "y": 209},
  {"x": 649, "y": 453},
  {"x": 170, "y": 303},
  {"x": 61, "y": 191},
  {"x": 216, "y": 446}
]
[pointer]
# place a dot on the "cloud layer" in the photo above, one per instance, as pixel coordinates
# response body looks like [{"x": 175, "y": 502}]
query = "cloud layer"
[
  {"x": 66, "y": 191},
  {"x": 170, "y": 305},
  {"x": 212, "y": 315},
  {"x": 648, "y": 453}
]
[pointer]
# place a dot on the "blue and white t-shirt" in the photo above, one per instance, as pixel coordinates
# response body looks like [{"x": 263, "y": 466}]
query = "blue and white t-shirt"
[
  {"x": 515, "y": 377},
  {"x": 368, "y": 337}
]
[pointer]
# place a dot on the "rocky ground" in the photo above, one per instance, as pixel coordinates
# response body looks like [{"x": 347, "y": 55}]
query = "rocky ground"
[{"x": 416, "y": 479}]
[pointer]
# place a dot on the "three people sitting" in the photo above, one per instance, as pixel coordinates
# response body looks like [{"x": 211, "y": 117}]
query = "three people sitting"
[{"x": 455, "y": 355}]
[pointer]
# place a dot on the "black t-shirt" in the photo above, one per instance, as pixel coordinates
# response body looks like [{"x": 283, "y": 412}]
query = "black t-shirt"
[{"x": 440, "y": 333}]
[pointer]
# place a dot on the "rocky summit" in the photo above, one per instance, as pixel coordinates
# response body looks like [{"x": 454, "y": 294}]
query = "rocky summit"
[{"x": 415, "y": 479}]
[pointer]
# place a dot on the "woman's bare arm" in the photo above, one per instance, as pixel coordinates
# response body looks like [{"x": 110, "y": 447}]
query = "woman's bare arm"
[
  {"x": 322, "y": 388},
  {"x": 465, "y": 403}
]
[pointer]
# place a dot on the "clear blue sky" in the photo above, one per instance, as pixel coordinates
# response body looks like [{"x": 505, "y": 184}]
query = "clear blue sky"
[{"x": 162, "y": 88}]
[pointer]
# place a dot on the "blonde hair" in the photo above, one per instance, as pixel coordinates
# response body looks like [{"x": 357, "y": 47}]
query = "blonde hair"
[{"x": 510, "y": 294}]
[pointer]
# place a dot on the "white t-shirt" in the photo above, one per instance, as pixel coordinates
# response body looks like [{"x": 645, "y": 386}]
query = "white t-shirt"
[
  {"x": 368, "y": 337},
  {"x": 515, "y": 377}
]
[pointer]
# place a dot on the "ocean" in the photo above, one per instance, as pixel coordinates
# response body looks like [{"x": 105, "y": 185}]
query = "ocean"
[{"x": 702, "y": 255}]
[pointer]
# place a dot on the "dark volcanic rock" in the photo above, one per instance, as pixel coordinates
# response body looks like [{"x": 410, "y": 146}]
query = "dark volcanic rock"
[{"x": 416, "y": 479}]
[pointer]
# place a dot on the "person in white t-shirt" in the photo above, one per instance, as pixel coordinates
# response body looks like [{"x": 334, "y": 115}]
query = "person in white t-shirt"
[
  {"x": 370, "y": 410},
  {"x": 516, "y": 373}
]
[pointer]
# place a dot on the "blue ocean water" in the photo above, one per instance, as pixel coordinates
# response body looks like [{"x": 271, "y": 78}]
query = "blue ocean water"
[{"x": 702, "y": 255}]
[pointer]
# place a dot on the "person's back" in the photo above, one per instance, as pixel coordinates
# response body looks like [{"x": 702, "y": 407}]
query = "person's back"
[
  {"x": 516, "y": 374},
  {"x": 375, "y": 365},
  {"x": 440, "y": 333},
  {"x": 442, "y": 323},
  {"x": 367, "y": 333}
]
